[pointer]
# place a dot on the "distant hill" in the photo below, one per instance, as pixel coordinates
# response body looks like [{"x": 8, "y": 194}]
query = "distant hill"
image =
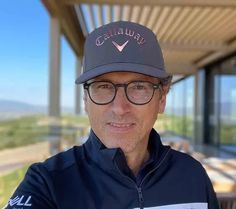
[
  {"x": 12, "y": 109},
  {"x": 20, "y": 107}
]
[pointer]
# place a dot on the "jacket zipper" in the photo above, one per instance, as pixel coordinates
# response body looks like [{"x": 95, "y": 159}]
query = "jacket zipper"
[
  {"x": 154, "y": 168},
  {"x": 138, "y": 187},
  {"x": 140, "y": 196}
]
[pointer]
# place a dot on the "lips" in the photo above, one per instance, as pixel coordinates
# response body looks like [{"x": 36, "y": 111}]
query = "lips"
[
  {"x": 113, "y": 126},
  {"x": 121, "y": 125}
]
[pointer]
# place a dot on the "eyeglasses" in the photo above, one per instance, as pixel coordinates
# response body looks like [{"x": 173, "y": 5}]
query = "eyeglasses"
[{"x": 137, "y": 92}]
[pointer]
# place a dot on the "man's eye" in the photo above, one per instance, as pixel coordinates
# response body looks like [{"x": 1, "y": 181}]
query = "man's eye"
[
  {"x": 104, "y": 86},
  {"x": 139, "y": 87}
]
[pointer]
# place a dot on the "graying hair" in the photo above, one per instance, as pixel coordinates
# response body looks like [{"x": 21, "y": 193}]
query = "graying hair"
[{"x": 166, "y": 83}]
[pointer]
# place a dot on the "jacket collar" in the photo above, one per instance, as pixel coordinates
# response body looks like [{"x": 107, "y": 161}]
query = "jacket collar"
[{"x": 105, "y": 158}]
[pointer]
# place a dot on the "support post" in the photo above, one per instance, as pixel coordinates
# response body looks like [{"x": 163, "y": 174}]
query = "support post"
[{"x": 54, "y": 87}]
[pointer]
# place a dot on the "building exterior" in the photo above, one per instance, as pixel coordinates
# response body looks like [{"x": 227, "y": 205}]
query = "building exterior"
[{"x": 202, "y": 107}]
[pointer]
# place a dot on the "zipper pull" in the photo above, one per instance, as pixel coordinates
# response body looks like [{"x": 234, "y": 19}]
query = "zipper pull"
[{"x": 140, "y": 196}]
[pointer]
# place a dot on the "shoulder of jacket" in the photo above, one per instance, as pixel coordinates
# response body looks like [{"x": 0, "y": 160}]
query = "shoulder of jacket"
[
  {"x": 185, "y": 160},
  {"x": 61, "y": 161}
]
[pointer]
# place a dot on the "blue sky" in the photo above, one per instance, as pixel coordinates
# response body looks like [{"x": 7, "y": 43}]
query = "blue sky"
[{"x": 24, "y": 48}]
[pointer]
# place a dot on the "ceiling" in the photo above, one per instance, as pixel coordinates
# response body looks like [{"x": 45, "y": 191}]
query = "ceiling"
[{"x": 192, "y": 33}]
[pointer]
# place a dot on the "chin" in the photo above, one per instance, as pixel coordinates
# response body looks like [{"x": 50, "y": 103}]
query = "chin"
[{"x": 125, "y": 147}]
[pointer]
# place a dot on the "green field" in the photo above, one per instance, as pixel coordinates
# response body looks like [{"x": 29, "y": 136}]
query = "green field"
[
  {"x": 32, "y": 129},
  {"x": 8, "y": 183},
  {"x": 184, "y": 126},
  {"x": 21, "y": 131}
]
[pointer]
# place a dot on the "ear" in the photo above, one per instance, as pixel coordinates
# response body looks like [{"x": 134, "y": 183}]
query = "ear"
[{"x": 162, "y": 103}]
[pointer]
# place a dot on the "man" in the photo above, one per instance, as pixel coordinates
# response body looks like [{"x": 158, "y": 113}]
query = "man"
[{"x": 123, "y": 164}]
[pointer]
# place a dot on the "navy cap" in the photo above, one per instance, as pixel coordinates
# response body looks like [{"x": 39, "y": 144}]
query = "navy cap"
[{"x": 122, "y": 47}]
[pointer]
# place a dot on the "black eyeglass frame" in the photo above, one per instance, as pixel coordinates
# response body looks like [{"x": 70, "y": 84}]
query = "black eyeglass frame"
[{"x": 116, "y": 86}]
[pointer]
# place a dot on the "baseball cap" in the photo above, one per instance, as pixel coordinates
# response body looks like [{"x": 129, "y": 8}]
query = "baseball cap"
[{"x": 122, "y": 47}]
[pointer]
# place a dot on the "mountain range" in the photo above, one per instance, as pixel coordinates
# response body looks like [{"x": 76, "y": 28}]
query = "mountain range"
[{"x": 9, "y": 109}]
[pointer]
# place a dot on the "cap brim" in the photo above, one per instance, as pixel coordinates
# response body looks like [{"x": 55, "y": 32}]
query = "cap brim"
[{"x": 122, "y": 67}]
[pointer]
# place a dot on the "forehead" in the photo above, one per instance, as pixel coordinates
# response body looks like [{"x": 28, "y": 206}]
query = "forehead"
[{"x": 125, "y": 77}]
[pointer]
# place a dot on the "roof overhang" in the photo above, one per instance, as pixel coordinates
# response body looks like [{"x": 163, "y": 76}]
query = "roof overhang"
[{"x": 192, "y": 33}]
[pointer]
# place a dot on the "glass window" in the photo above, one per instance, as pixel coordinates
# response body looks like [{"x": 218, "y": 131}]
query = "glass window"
[
  {"x": 179, "y": 114},
  {"x": 228, "y": 112},
  {"x": 189, "y": 121},
  {"x": 166, "y": 118},
  {"x": 221, "y": 104},
  {"x": 178, "y": 110}
]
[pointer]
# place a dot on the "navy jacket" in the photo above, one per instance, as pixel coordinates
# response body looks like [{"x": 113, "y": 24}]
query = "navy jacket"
[{"x": 94, "y": 177}]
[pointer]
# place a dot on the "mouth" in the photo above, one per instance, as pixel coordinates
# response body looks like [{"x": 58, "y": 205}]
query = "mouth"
[{"x": 120, "y": 126}]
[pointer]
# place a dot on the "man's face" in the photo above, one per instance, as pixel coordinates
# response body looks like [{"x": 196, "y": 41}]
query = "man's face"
[{"x": 121, "y": 123}]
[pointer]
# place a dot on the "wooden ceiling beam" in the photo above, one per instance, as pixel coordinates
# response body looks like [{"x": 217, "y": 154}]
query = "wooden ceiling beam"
[
  {"x": 180, "y": 68},
  {"x": 70, "y": 26},
  {"x": 81, "y": 20},
  {"x": 213, "y": 56}
]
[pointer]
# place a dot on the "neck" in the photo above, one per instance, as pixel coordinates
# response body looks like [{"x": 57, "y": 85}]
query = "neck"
[{"x": 136, "y": 160}]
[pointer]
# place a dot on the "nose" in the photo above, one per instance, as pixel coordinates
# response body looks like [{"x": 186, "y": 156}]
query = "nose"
[{"x": 120, "y": 104}]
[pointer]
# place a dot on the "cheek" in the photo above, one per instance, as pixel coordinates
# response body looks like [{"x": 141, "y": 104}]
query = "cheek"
[
  {"x": 95, "y": 113},
  {"x": 93, "y": 116},
  {"x": 148, "y": 116},
  {"x": 85, "y": 98},
  {"x": 91, "y": 111}
]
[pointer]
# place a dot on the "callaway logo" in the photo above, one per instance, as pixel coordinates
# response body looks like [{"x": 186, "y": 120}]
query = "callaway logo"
[
  {"x": 120, "y": 48},
  {"x": 100, "y": 40},
  {"x": 20, "y": 201}
]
